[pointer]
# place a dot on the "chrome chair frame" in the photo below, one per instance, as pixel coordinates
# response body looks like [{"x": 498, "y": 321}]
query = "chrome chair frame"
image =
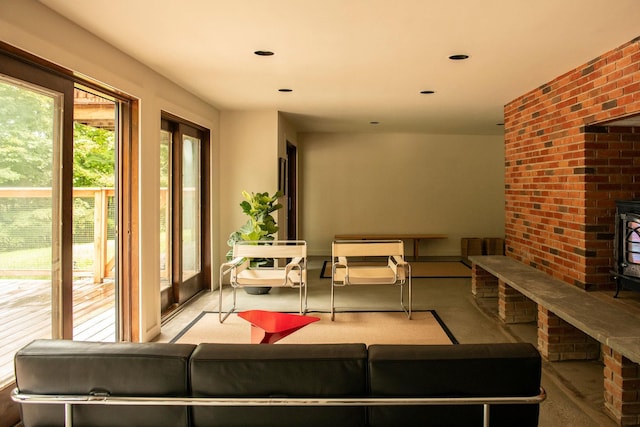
[
  {"x": 396, "y": 271},
  {"x": 242, "y": 274}
]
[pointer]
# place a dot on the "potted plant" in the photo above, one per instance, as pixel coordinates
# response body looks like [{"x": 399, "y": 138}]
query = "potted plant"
[{"x": 260, "y": 226}]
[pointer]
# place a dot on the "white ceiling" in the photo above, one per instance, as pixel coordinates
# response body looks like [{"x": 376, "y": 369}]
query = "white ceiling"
[{"x": 351, "y": 62}]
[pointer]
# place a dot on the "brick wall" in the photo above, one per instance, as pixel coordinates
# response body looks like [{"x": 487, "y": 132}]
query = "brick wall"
[{"x": 565, "y": 167}]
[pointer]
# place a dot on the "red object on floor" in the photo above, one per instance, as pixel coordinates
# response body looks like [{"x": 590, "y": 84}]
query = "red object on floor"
[{"x": 268, "y": 327}]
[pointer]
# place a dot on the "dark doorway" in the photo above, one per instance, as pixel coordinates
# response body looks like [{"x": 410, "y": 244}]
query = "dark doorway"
[{"x": 291, "y": 192}]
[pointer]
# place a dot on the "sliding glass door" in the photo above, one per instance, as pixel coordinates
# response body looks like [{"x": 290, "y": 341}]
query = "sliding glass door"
[
  {"x": 184, "y": 198},
  {"x": 30, "y": 140},
  {"x": 191, "y": 243}
]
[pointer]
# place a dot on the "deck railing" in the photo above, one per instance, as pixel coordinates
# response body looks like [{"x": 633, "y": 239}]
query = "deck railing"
[{"x": 103, "y": 263}]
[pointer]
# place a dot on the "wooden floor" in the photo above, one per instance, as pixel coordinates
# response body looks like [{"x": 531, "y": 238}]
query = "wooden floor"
[{"x": 25, "y": 315}]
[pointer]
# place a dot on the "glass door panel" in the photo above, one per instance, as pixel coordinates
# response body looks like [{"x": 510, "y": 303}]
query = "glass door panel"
[
  {"x": 165, "y": 209},
  {"x": 30, "y": 117},
  {"x": 185, "y": 264},
  {"x": 191, "y": 238},
  {"x": 94, "y": 217}
]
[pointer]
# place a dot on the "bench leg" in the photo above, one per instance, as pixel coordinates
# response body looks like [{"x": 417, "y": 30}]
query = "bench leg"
[
  {"x": 559, "y": 340},
  {"x": 621, "y": 388},
  {"x": 484, "y": 287},
  {"x": 513, "y": 307}
]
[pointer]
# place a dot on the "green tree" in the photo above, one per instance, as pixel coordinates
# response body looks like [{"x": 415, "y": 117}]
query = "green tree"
[
  {"x": 93, "y": 166},
  {"x": 26, "y": 143},
  {"x": 93, "y": 156},
  {"x": 27, "y": 119},
  {"x": 26, "y": 151},
  {"x": 26, "y": 134}
]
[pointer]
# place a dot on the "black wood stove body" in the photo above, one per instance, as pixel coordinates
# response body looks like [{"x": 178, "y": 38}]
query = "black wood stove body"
[{"x": 627, "y": 245}]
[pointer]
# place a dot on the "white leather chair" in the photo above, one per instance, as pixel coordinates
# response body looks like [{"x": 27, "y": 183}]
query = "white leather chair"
[
  {"x": 287, "y": 268},
  {"x": 393, "y": 270}
]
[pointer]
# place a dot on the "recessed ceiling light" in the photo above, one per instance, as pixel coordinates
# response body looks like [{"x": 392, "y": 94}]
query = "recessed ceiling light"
[
  {"x": 459, "y": 57},
  {"x": 285, "y": 90},
  {"x": 263, "y": 53},
  {"x": 426, "y": 92}
]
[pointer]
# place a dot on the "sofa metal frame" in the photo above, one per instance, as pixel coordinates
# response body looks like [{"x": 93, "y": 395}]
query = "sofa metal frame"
[
  {"x": 396, "y": 271},
  {"x": 100, "y": 399},
  {"x": 243, "y": 274}
]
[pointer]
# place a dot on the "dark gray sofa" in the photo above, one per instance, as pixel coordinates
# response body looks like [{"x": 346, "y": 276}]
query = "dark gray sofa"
[
  {"x": 481, "y": 370},
  {"x": 317, "y": 372},
  {"x": 122, "y": 369}
]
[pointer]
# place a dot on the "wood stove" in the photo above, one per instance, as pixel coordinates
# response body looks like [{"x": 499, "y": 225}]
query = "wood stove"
[{"x": 626, "y": 248}]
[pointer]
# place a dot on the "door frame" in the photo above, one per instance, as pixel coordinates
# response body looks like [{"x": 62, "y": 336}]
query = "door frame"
[{"x": 23, "y": 66}]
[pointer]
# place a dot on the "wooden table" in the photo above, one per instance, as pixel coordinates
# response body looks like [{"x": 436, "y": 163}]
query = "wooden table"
[{"x": 415, "y": 237}]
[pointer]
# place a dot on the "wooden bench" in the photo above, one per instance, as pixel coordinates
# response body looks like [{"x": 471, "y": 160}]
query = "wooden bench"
[
  {"x": 572, "y": 324},
  {"x": 413, "y": 237}
]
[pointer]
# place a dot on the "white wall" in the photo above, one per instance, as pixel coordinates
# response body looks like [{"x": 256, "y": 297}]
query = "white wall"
[
  {"x": 401, "y": 183},
  {"x": 30, "y": 26}
]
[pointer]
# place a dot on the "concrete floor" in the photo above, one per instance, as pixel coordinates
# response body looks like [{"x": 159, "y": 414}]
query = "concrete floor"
[{"x": 574, "y": 388}]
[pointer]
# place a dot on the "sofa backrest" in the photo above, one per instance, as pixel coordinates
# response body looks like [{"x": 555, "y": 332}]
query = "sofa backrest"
[
  {"x": 463, "y": 370},
  {"x": 124, "y": 369},
  {"x": 281, "y": 370},
  {"x": 315, "y": 371}
]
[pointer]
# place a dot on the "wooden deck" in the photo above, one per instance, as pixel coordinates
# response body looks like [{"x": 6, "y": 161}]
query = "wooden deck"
[{"x": 25, "y": 315}]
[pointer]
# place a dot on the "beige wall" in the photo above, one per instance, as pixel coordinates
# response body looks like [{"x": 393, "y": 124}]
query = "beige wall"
[
  {"x": 28, "y": 25},
  {"x": 401, "y": 183},
  {"x": 250, "y": 153}
]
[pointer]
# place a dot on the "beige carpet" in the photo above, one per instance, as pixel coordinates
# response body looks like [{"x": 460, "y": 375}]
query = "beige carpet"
[
  {"x": 423, "y": 269},
  {"x": 425, "y": 327}
]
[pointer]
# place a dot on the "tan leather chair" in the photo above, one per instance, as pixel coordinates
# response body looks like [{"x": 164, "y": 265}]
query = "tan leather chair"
[
  {"x": 288, "y": 268},
  {"x": 392, "y": 270}
]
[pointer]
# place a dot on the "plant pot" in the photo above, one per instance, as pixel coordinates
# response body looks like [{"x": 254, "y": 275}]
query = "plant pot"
[{"x": 257, "y": 290}]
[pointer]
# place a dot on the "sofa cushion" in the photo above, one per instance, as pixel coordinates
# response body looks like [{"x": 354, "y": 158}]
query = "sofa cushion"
[
  {"x": 120, "y": 369},
  {"x": 280, "y": 370},
  {"x": 464, "y": 370}
]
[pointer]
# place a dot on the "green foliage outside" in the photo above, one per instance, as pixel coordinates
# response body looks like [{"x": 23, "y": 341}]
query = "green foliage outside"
[
  {"x": 93, "y": 166},
  {"x": 93, "y": 156},
  {"x": 26, "y": 160},
  {"x": 26, "y": 124}
]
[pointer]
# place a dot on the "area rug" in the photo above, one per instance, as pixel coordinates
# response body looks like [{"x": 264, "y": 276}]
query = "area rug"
[
  {"x": 425, "y": 327},
  {"x": 420, "y": 269}
]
